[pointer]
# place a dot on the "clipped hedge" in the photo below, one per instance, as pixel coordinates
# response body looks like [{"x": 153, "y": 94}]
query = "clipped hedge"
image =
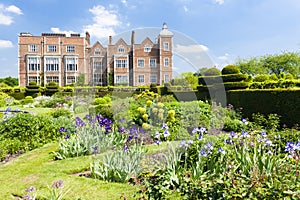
[
  {"x": 230, "y": 69},
  {"x": 284, "y": 102},
  {"x": 234, "y": 77}
]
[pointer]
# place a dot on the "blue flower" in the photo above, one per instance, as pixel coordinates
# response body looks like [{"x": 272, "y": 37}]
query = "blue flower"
[
  {"x": 62, "y": 129},
  {"x": 220, "y": 150},
  {"x": 95, "y": 149},
  {"x": 289, "y": 147},
  {"x": 245, "y": 134},
  {"x": 121, "y": 129},
  {"x": 232, "y": 134},
  {"x": 79, "y": 122},
  {"x": 165, "y": 126},
  {"x": 158, "y": 142},
  {"x": 166, "y": 133},
  {"x": 208, "y": 146},
  {"x": 264, "y": 134},
  {"x": 200, "y": 137},
  {"x": 67, "y": 137},
  {"x": 125, "y": 148},
  {"x": 157, "y": 135},
  {"x": 203, "y": 153}
]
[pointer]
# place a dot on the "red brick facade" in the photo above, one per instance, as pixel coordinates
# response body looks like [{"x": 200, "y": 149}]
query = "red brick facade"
[{"x": 58, "y": 58}]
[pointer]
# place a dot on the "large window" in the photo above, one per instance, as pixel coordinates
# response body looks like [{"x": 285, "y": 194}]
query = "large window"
[
  {"x": 70, "y": 48},
  {"x": 52, "y": 64},
  {"x": 33, "y": 48},
  {"x": 141, "y": 78},
  {"x": 141, "y": 62},
  {"x": 71, "y": 79},
  {"x": 121, "y": 79},
  {"x": 34, "y": 79},
  {"x": 167, "y": 78},
  {"x": 97, "y": 51},
  {"x": 152, "y": 62},
  {"x": 33, "y": 63},
  {"x": 51, "y": 48},
  {"x": 121, "y": 63},
  {"x": 166, "y": 62},
  {"x": 71, "y": 64},
  {"x": 153, "y": 78},
  {"x": 166, "y": 46},
  {"x": 121, "y": 49},
  {"x": 97, "y": 65},
  {"x": 147, "y": 48},
  {"x": 98, "y": 78},
  {"x": 52, "y": 79}
]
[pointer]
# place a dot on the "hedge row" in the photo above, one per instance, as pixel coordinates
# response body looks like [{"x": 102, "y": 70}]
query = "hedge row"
[
  {"x": 210, "y": 80},
  {"x": 284, "y": 102}
]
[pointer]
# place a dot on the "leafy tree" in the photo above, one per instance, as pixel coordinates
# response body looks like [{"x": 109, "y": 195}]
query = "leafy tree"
[
  {"x": 286, "y": 62},
  {"x": 10, "y": 81},
  {"x": 80, "y": 80},
  {"x": 186, "y": 79},
  {"x": 251, "y": 67}
]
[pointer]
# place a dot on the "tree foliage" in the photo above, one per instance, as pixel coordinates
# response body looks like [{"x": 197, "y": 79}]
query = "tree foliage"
[
  {"x": 286, "y": 62},
  {"x": 10, "y": 81},
  {"x": 186, "y": 79}
]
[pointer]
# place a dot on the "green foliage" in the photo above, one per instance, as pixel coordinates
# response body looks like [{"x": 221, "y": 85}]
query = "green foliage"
[
  {"x": 119, "y": 166},
  {"x": 212, "y": 72},
  {"x": 60, "y": 112},
  {"x": 80, "y": 80},
  {"x": 234, "y": 77},
  {"x": 230, "y": 69},
  {"x": 10, "y": 81},
  {"x": 186, "y": 79},
  {"x": 261, "y": 78},
  {"x": 24, "y": 132},
  {"x": 286, "y": 62},
  {"x": 282, "y": 102},
  {"x": 27, "y": 100}
]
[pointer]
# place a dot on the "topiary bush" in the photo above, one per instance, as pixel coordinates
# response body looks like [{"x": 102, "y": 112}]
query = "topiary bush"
[
  {"x": 261, "y": 78},
  {"x": 212, "y": 72},
  {"x": 230, "y": 69}
]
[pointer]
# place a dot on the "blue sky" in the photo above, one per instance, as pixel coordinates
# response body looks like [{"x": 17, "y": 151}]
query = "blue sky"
[{"x": 217, "y": 31}]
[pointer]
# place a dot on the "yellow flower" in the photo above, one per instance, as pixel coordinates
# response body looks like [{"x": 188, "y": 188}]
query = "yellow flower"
[
  {"x": 146, "y": 126},
  {"x": 161, "y": 111},
  {"x": 154, "y": 110},
  {"x": 160, "y": 105},
  {"x": 160, "y": 116},
  {"x": 171, "y": 113},
  {"x": 149, "y": 103},
  {"x": 145, "y": 117},
  {"x": 142, "y": 110}
]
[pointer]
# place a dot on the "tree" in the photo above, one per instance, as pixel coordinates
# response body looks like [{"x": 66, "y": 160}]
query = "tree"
[
  {"x": 80, "y": 80},
  {"x": 186, "y": 79},
  {"x": 10, "y": 81},
  {"x": 286, "y": 62}
]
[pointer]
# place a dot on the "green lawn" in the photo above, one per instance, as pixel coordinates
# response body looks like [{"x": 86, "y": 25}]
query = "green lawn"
[{"x": 36, "y": 168}]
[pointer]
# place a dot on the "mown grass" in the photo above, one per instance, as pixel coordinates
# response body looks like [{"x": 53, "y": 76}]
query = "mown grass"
[{"x": 37, "y": 168}]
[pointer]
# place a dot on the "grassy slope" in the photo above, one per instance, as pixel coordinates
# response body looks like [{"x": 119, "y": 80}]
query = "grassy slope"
[{"x": 36, "y": 168}]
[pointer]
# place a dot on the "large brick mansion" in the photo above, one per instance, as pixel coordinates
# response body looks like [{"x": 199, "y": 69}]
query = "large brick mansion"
[{"x": 62, "y": 59}]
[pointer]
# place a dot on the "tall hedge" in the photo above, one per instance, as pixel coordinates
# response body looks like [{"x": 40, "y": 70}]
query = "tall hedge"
[{"x": 284, "y": 102}]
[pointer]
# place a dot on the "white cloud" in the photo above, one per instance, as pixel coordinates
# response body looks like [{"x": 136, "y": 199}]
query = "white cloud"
[
  {"x": 57, "y": 30},
  {"x": 224, "y": 57},
  {"x": 220, "y": 2},
  {"x": 191, "y": 48},
  {"x": 5, "y": 18},
  {"x": 104, "y": 22},
  {"x": 14, "y": 9},
  {"x": 185, "y": 8},
  {"x": 5, "y": 44}
]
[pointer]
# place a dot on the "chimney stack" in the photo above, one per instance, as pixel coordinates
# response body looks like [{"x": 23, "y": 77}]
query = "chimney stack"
[
  {"x": 133, "y": 37},
  {"x": 110, "y": 40}
]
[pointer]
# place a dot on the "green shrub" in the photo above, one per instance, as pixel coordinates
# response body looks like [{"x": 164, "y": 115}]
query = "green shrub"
[
  {"x": 60, "y": 112},
  {"x": 27, "y": 100},
  {"x": 236, "y": 85},
  {"x": 105, "y": 110},
  {"x": 230, "y": 69},
  {"x": 99, "y": 101},
  {"x": 24, "y": 132},
  {"x": 234, "y": 77},
  {"x": 209, "y": 80},
  {"x": 261, "y": 78},
  {"x": 212, "y": 72}
]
